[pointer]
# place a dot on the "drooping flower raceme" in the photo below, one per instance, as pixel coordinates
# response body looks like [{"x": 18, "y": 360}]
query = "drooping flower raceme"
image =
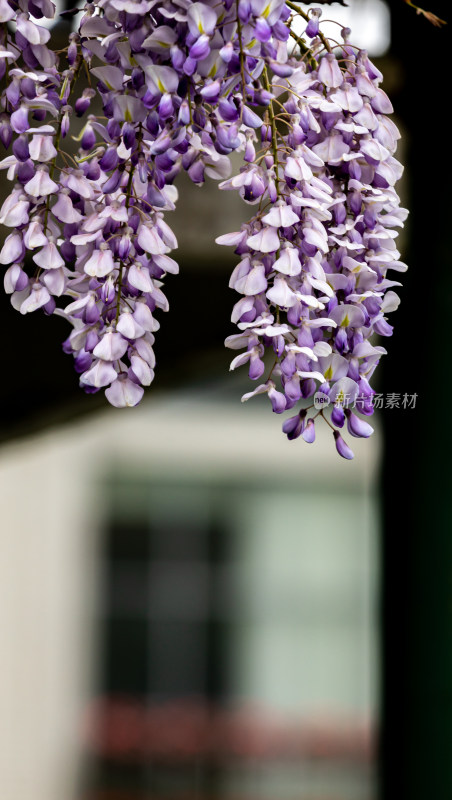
[
  {"x": 314, "y": 258},
  {"x": 149, "y": 88}
]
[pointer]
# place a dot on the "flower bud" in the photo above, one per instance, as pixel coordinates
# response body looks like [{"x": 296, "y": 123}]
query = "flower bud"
[
  {"x": 309, "y": 432},
  {"x": 356, "y": 426},
  {"x": 341, "y": 446}
]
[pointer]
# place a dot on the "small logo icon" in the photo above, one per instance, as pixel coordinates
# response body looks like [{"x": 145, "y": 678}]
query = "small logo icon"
[{"x": 321, "y": 400}]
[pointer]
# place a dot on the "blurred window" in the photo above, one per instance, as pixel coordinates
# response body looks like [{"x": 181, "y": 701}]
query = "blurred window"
[{"x": 238, "y": 644}]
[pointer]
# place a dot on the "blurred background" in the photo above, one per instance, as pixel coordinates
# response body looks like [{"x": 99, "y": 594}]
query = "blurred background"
[{"x": 193, "y": 608}]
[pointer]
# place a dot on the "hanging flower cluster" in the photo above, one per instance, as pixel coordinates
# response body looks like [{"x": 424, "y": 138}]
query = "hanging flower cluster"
[{"x": 149, "y": 88}]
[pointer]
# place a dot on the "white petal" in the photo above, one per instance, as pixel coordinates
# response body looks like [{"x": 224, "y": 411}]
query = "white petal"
[
  {"x": 12, "y": 249},
  {"x": 142, "y": 370},
  {"x": 365, "y": 349},
  {"x": 16, "y": 216},
  {"x": 344, "y": 390},
  {"x": 281, "y": 217},
  {"x": 124, "y": 393},
  {"x": 307, "y": 351},
  {"x": 55, "y": 281},
  {"x": 297, "y": 169},
  {"x": 85, "y": 238},
  {"x": 41, "y": 184},
  {"x": 322, "y": 286},
  {"x": 391, "y": 301},
  {"x": 48, "y": 257},
  {"x": 111, "y": 347},
  {"x": 237, "y": 341},
  {"x": 42, "y": 148},
  {"x": 289, "y": 261},
  {"x": 310, "y": 300},
  {"x": 65, "y": 211},
  {"x": 139, "y": 277},
  {"x": 317, "y": 376},
  {"x": 265, "y": 241},
  {"x": 262, "y": 389},
  {"x": 101, "y": 374},
  {"x": 166, "y": 263},
  {"x": 230, "y": 239},
  {"x": 100, "y": 264},
  {"x": 150, "y": 241},
  {"x": 273, "y": 330},
  {"x": 239, "y": 360},
  {"x": 281, "y": 294},
  {"x": 38, "y": 297},
  {"x": 320, "y": 322},
  {"x": 242, "y": 307},
  {"x": 322, "y": 349},
  {"x": 34, "y": 236},
  {"x": 253, "y": 283}
]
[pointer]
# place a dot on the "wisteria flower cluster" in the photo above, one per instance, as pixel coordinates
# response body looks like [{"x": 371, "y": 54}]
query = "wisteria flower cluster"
[{"x": 148, "y": 88}]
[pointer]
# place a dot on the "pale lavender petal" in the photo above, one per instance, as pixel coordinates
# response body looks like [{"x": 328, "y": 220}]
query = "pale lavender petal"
[
  {"x": 15, "y": 279},
  {"x": 289, "y": 261},
  {"x": 281, "y": 216},
  {"x": 12, "y": 250},
  {"x": 16, "y": 216},
  {"x": 100, "y": 263},
  {"x": 201, "y": 19},
  {"x": 49, "y": 257},
  {"x": 111, "y": 346},
  {"x": 265, "y": 241},
  {"x": 55, "y": 281},
  {"x": 41, "y": 184},
  {"x": 344, "y": 391},
  {"x": 34, "y": 236},
  {"x": 150, "y": 241},
  {"x": 254, "y": 282},
  {"x": 42, "y": 148},
  {"x": 65, "y": 211},
  {"x": 281, "y": 294},
  {"x": 143, "y": 316},
  {"x": 38, "y": 297},
  {"x": 101, "y": 374},
  {"x": 124, "y": 393},
  {"x": 329, "y": 71}
]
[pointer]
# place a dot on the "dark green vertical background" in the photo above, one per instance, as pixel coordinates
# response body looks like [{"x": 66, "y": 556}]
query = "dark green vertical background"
[{"x": 416, "y": 741}]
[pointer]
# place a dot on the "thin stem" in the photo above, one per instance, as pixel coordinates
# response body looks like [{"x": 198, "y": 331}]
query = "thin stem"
[
  {"x": 276, "y": 361},
  {"x": 281, "y": 118},
  {"x": 57, "y": 139},
  {"x": 326, "y": 420},
  {"x": 288, "y": 89},
  {"x": 271, "y": 116},
  {"x": 66, "y": 156},
  {"x": 304, "y": 49},
  {"x": 5, "y": 29},
  {"x": 128, "y": 193},
  {"x": 305, "y": 16},
  {"x": 190, "y": 110},
  {"x": 88, "y": 74},
  {"x": 242, "y": 54}
]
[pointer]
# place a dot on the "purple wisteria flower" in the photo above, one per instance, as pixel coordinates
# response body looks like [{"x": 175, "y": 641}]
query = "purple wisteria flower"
[
  {"x": 181, "y": 86},
  {"x": 314, "y": 260}
]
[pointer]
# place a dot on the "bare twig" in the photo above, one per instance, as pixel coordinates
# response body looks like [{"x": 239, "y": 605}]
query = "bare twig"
[{"x": 427, "y": 14}]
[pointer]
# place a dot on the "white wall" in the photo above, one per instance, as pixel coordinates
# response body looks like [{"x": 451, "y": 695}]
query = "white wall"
[{"x": 51, "y": 503}]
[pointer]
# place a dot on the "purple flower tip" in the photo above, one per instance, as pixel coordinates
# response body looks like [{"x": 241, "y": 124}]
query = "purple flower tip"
[
  {"x": 309, "y": 432},
  {"x": 341, "y": 447}
]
